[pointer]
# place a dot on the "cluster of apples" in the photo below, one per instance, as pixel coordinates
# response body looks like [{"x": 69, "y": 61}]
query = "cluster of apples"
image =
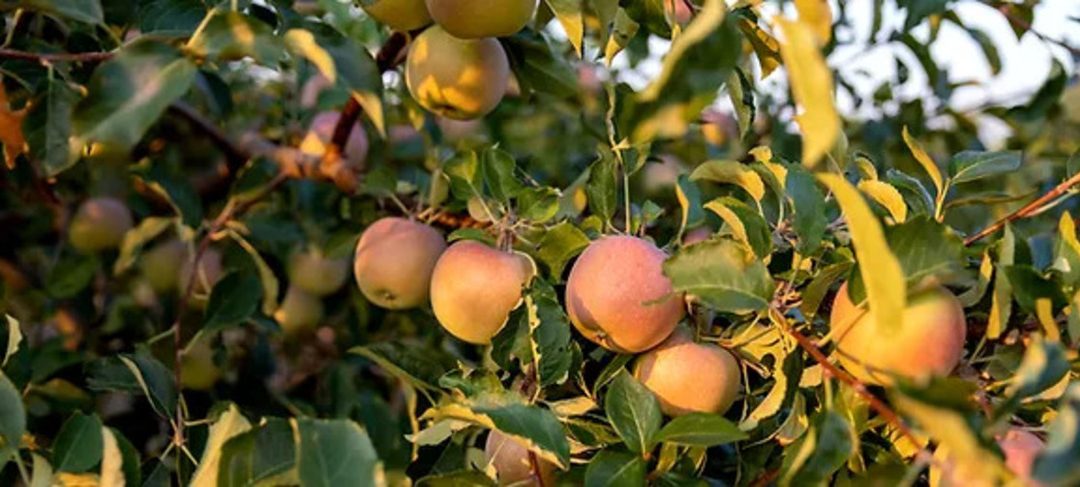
[{"x": 456, "y": 68}]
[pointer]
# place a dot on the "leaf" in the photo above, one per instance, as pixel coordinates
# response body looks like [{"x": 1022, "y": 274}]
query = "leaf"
[
  {"x": 261, "y": 453},
  {"x": 613, "y": 468},
  {"x": 14, "y": 339},
  {"x": 744, "y": 223},
  {"x": 808, "y": 204},
  {"x": 812, "y": 86},
  {"x": 883, "y": 277},
  {"x": 785, "y": 383},
  {"x": 622, "y": 33},
  {"x": 602, "y": 189},
  {"x": 302, "y": 43},
  {"x": 134, "y": 240},
  {"x": 228, "y": 35},
  {"x": 559, "y": 244},
  {"x": 538, "y": 67},
  {"x": 538, "y": 429},
  {"x": 78, "y": 445},
  {"x": 741, "y": 92},
  {"x": 633, "y": 411},
  {"x": 1044, "y": 365},
  {"x": 917, "y": 10},
  {"x": 538, "y": 205},
  {"x": 130, "y": 92},
  {"x": 354, "y": 69},
  {"x": 48, "y": 128},
  {"x": 1002, "y": 298},
  {"x": 335, "y": 452},
  {"x": 234, "y": 299},
  {"x": 1056, "y": 464},
  {"x": 86, "y": 11},
  {"x": 155, "y": 380},
  {"x": 816, "y": 15},
  {"x": 765, "y": 46},
  {"x": 989, "y": 49},
  {"x": 176, "y": 189},
  {"x": 570, "y": 16},
  {"x": 924, "y": 160},
  {"x": 821, "y": 452},
  {"x": 498, "y": 167},
  {"x": 269, "y": 281},
  {"x": 722, "y": 273},
  {"x": 925, "y": 248},
  {"x": 407, "y": 362},
  {"x": 700, "y": 429},
  {"x": 731, "y": 172},
  {"x": 112, "y": 460},
  {"x": 689, "y": 197},
  {"x": 11, "y": 130},
  {"x": 887, "y": 196},
  {"x": 71, "y": 275},
  {"x": 1047, "y": 96},
  {"x": 228, "y": 425},
  {"x": 12, "y": 419},
  {"x": 971, "y": 165},
  {"x": 42, "y": 473},
  {"x": 549, "y": 334},
  {"x": 180, "y": 16}
]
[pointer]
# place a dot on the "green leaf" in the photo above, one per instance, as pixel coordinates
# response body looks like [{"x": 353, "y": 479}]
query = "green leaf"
[
  {"x": 335, "y": 452},
  {"x": 917, "y": 10},
  {"x": 549, "y": 334},
  {"x": 134, "y": 240},
  {"x": 537, "y": 205},
  {"x": 971, "y": 165},
  {"x": 602, "y": 189},
  {"x": 700, "y": 429},
  {"x": 155, "y": 380},
  {"x": 536, "y": 428},
  {"x": 12, "y": 418},
  {"x": 48, "y": 128},
  {"x": 1029, "y": 285},
  {"x": 925, "y": 248},
  {"x": 633, "y": 411},
  {"x": 1047, "y": 96},
  {"x": 1056, "y": 464},
  {"x": 14, "y": 339},
  {"x": 227, "y": 426},
  {"x": 130, "y": 92},
  {"x": 538, "y": 67},
  {"x": 234, "y": 299},
  {"x": 421, "y": 369},
  {"x": 731, "y": 172},
  {"x": 354, "y": 69},
  {"x": 179, "y": 16},
  {"x": 176, "y": 189},
  {"x": 228, "y": 35},
  {"x": 1044, "y": 366},
  {"x": 808, "y": 204},
  {"x": 723, "y": 273},
  {"x": 86, "y": 11},
  {"x": 613, "y": 468},
  {"x": 71, "y": 275},
  {"x": 741, "y": 91},
  {"x": 989, "y": 49},
  {"x": 78, "y": 445},
  {"x": 269, "y": 281},
  {"x": 820, "y": 452},
  {"x": 498, "y": 166},
  {"x": 744, "y": 223},
  {"x": 257, "y": 455}
]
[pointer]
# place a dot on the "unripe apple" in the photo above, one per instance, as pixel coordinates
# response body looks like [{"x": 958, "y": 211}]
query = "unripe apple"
[
  {"x": 1020, "y": 448},
  {"x": 316, "y": 273},
  {"x": 474, "y": 288},
  {"x": 197, "y": 368},
  {"x": 322, "y": 131},
  {"x": 210, "y": 271},
  {"x": 618, "y": 296},
  {"x": 689, "y": 377},
  {"x": 399, "y": 15},
  {"x": 473, "y": 19},
  {"x": 679, "y": 11},
  {"x": 99, "y": 224},
  {"x": 456, "y": 78},
  {"x": 512, "y": 463},
  {"x": 930, "y": 343},
  {"x": 161, "y": 264},
  {"x": 299, "y": 311},
  {"x": 394, "y": 261}
]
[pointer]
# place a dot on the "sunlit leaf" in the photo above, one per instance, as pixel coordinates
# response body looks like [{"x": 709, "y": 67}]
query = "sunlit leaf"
[{"x": 812, "y": 86}]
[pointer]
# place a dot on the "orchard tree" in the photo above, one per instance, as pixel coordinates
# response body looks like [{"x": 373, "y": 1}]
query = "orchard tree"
[{"x": 522, "y": 242}]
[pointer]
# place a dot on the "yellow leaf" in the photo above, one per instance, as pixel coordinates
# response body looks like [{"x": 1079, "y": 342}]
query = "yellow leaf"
[
  {"x": 228, "y": 425},
  {"x": 64, "y": 479},
  {"x": 812, "y": 85},
  {"x": 886, "y": 195},
  {"x": 762, "y": 153},
  {"x": 11, "y": 134},
  {"x": 704, "y": 24},
  {"x": 866, "y": 168},
  {"x": 924, "y": 160},
  {"x": 735, "y": 225},
  {"x": 972, "y": 296},
  {"x": 112, "y": 461},
  {"x": 881, "y": 272},
  {"x": 764, "y": 44},
  {"x": 1044, "y": 311},
  {"x": 302, "y": 42},
  {"x": 817, "y": 15},
  {"x": 1001, "y": 299},
  {"x": 1067, "y": 230},
  {"x": 731, "y": 172}
]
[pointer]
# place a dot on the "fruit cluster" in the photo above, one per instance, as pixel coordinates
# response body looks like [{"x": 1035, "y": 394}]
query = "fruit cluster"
[{"x": 456, "y": 68}]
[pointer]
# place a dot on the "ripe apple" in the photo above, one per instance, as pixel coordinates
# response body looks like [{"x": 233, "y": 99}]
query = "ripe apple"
[
  {"x": 456, "y": 78},
  {"x": 474, "y": 19},
  {"x": 618, "y": 296},
  {"x": 689, "y": 377},
  {"x": 474, "y": 287},
  {"x": 931, "y": 341},
  {"x": 99, "y": 224},
  {"x": 395, "y": 258}
]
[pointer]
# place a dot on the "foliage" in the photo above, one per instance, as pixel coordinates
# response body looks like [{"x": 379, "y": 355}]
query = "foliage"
[{"x": 176, "y": 358}]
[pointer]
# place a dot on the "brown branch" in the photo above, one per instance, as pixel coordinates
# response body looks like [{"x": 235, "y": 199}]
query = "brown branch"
[
  {"x": 875, "y": 403},
  {"x": 1030, "y": 209},
  {"x": 78, "y": 57}
]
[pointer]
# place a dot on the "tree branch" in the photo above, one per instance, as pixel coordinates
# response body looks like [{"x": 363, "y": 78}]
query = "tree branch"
[
  {"x": 235, "y": 155},
  {"x": 78, "y": 57},
  {"x": 1030, "y": 209}
]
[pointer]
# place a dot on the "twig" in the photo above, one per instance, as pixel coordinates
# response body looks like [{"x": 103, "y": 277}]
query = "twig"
[
  {"x": 236, "y": 155},
  {"x": 1030, "y": 209},
  {"x": 876, "y": 404},
  {"x": 49, "y": 57},
  {"x": 1003, "y": 8}
]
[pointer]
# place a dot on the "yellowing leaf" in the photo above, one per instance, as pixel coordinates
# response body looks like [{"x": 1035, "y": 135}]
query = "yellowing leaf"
[
  {"x": 1001, "y": 300},
  {"x": 764, "y": 44},
  {"x": 924, "y": 160},
  {"x": 1045, "y": 313},
  {"x": 704, "y": 24},
  {"x": 812, "y": 86},
  {"x": 735, "y": 225},
  {"x": 302, "y": 42},
  {"x": 886, "y": 195},
  {"x": 817, "y": 15},
  {"x": 762, "y": 154},
  {"x": 881, "y": 272},
  {"x": 112, "y": 461},
  {"x": 731, "y": 172},
  {"x": 570, "y": 16},
  {"x": 228, "y": 425},
  {"x": 11, "y": 134}
]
